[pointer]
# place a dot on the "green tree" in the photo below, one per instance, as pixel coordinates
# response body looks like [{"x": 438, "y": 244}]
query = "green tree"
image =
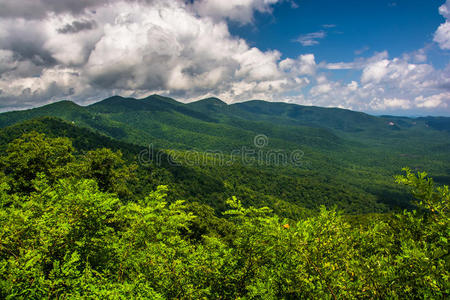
[
  {"x": 108, "y": 169},
  {"x": 35, "y": 153}
]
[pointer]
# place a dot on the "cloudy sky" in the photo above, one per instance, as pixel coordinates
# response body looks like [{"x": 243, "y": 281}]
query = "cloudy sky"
[{"x": 377, "y": 56}]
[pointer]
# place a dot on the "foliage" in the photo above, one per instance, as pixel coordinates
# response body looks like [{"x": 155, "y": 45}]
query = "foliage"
[
  {"x": 290, "y": 192},
  {"x": 33, "y": 153},
  {"x": 434, "y": 199},
  {"x": 108, "y": 169}
]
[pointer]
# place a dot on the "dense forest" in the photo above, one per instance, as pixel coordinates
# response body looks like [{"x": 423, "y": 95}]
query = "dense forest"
[{"x": 83, "y": 215}]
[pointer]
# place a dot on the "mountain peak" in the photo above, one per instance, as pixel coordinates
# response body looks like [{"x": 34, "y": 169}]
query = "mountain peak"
[
  {"x": 209, "y": 101},
  {"x": 156, "y": 97},
  {"x": 67, "y": 103},
  {"x": 110, "y": 100},
  {"x": 117, "y": 104},
  {"x": 63, "y": 105}
]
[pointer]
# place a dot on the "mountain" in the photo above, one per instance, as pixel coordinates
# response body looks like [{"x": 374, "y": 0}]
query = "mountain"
[
  {"x": 333, "y": 118},
  {"x": 159, "y": 118},
  {"x": 208, "y": 105},
  {"x": 343, "y": 154}
]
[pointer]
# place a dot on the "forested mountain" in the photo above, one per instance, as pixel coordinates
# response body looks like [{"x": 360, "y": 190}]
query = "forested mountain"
[
  {"x": 292, "y": 193},
  {"x": 340, "y": 149},
  {"x": 210, "y": 118}
]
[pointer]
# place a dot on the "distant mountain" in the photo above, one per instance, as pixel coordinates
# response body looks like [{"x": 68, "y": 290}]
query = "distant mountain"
[
  {"x": 331, "y": 118},
  {"x": 439, "y": 123},
  {"x": 161, "y": 117},
  {"x": 211, "y": 124},
  {"x": 351, "y": 149},
  {"x": 209, "y": 105}
]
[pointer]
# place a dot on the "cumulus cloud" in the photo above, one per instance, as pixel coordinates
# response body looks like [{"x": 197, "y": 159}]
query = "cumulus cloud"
[
  {"x": 392, "y": 103},
  {"x": 236, "y": 10},
  {"x": 352, "y": 86},
  {"x": 442, "y": 34},
  {"x": 386, "y": 84},
  {"x": 37, "y": 9},
  {"x": 434, "y": 101},
  {"x": 134, "y": 48},
  {"x": 305, "y": 64},
  {"x": 376, "y": 71}
]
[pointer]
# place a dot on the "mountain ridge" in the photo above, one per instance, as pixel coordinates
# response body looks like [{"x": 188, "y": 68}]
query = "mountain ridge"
[
  {"x": 217, "y": 101},
  {"x": 337, "y": 148},
  {"x": 163, "y": 119}
]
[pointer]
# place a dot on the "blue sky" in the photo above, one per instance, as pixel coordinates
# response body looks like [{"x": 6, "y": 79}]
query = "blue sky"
[
  {"x": 349, "y": 30},
  {"x": 375, "y": 25},
  {"x": 376, "y": 56}
]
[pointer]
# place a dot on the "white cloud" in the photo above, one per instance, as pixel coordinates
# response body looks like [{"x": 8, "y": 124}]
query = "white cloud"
[
  {"x": 256, "y": 65},
  {"x": 375, "y": 71},
  {"x": 396, "y": 103},
  {"x": 70, "y": 46},
  {"x": 311, "y": 39},
  {"x": 305, "y": 64},
  {"x": 385, "y": 85},
  {"x": 341, "y": 66},
  {"x": 387, "y": 104},
  {"x": 53, "y": 84},
  {"x": 352, "y": 86},
  {"x": 420, "y": 56},
  {"x": 236, "y": 10},
  {"x": 444, "y": 10},
  {"x": 434, "y": 101},
  {"x": 136, "y": 48},
  {"x": 323, "y": 88},
  {"x": 398, "y": 73},
  {"x": 442, "y": 34}
]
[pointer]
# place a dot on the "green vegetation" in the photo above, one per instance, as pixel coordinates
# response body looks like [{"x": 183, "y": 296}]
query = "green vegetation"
[
  {"x": 349, "y": 157},
  {"x": 292, "y": 192},
  {"x": 85, "y": 222}
]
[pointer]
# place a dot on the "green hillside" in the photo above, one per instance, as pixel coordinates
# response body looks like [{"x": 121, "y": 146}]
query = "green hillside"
[
  {"x": 292, "y": 193},
  {"x": 342, "y": 152}
]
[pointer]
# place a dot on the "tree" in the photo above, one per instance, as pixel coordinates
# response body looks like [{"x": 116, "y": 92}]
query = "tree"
[
  {"x": 35, "y": 153},
  {"x": 108, "y": 169}
]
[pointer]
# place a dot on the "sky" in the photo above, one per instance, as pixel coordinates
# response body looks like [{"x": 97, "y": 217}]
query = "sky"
[{"x": 375, "y": 56}]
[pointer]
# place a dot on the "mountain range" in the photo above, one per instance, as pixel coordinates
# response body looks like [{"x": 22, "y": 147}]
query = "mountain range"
[{"x": 342, "y": 151}]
